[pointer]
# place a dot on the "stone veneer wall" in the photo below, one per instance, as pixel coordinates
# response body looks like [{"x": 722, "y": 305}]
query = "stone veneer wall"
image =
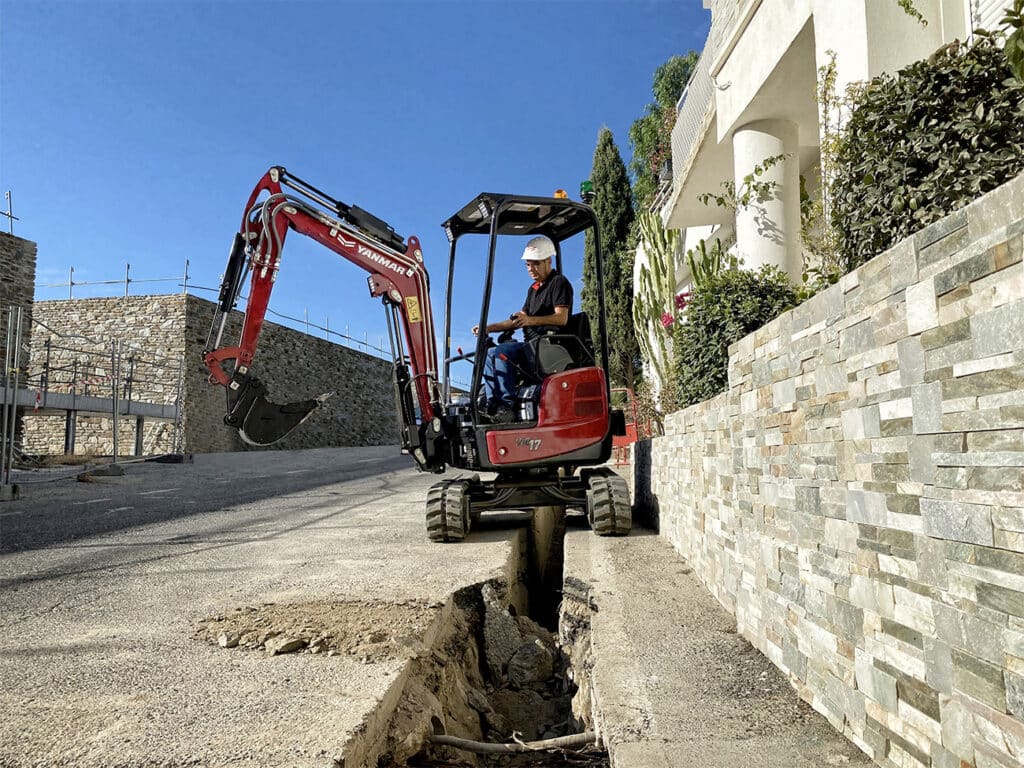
[
  {"x": 170, "y": 331},
  {"x": 856, "y": 497}
]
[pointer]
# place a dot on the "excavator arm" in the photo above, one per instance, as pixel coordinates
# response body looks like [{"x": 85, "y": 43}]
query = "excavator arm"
[{"x": 279, "y": 203}]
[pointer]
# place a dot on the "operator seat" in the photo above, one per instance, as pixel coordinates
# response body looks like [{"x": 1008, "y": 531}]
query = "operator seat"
[
  {"x": 568, "y": 347},
  {"x": 562, "y": 349}
]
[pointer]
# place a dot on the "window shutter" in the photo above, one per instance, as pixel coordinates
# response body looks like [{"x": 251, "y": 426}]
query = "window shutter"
[{"x": 985, "y": 14}]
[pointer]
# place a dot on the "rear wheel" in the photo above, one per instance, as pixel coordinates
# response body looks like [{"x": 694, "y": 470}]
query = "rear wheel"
[
  {"x": 448, "y": 517},
  {"x": 608, "y": 507}
]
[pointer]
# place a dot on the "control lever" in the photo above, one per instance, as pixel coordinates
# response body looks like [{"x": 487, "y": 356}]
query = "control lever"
[{"x": 507, "y": 335}]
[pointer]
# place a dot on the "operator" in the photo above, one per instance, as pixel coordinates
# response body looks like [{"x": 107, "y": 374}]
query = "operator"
[{"x": 548, "y": 306}]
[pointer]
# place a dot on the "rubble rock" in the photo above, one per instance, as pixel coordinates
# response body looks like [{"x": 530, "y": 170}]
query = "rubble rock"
[
  {"x": 284, "y": 644},
  {"x": 501, "y": 633},
  {"x": 531, "y": 663},
  {"x": 521, "y": 710},
  {"x": 498, "y": 723},
  {"x": 227, "y": 640},
  {"x": 477, "y": 701},
  {"x": 531, "y": 630}
]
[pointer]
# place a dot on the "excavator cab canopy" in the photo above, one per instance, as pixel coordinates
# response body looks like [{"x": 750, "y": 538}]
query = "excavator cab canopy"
[{"x": 557, "y": 218}]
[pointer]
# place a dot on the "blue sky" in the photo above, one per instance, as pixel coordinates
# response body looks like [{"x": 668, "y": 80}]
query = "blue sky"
[{"x": 133, "y": 132}]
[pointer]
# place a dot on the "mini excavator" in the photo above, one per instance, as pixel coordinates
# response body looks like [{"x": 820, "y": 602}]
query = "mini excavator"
[{"x": 553, "y": 454}]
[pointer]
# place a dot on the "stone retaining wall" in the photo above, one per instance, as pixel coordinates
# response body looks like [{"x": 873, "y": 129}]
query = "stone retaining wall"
[
  {"x": 72, "y": 346},
  {"x": 162, "y": 339},
  {"x": 17, "y": 283},
  {"x": 856, "y": 498},
  {"x": 17, "y": 288}
]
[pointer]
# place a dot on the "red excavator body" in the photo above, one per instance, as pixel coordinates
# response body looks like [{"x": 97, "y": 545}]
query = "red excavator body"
[{"x": 550, "y": 454}]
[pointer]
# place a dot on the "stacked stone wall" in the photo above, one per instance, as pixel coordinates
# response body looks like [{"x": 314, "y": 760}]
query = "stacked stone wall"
[
  {"x": 17, "y": 285},
  {"x": 72, "y": 349},
  {"x": 17, "y": 271},
  {"x": 161, "y": 341},
  {"x": 17, "y": 289},
  {"x": 856, "y": 497}
]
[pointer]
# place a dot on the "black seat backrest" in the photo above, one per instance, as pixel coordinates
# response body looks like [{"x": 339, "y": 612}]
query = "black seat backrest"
[
  {"x": 568, "y": 347},
  {"x": 579, "y": 326}
]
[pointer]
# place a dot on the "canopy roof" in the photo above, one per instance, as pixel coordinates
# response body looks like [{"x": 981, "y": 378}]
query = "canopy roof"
[{"x": 557, "y": 218}]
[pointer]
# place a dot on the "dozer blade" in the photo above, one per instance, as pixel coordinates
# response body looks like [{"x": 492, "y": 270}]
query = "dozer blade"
[{"x": 261, "y": 422}]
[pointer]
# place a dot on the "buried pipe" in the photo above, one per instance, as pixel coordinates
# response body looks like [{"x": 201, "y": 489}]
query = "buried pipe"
[{"x": 484, "y": 747}]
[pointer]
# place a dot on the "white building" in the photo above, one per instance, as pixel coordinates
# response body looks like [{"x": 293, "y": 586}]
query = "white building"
[{"x": 753, "y": 96}]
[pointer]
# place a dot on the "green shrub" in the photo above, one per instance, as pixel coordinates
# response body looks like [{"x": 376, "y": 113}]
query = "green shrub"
[
  {"x": 923, "y": 143},
  {"x": 732, "y": 304}
]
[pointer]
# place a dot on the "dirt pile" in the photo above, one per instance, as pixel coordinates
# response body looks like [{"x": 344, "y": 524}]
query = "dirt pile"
[{"x": 370, "y": 631}]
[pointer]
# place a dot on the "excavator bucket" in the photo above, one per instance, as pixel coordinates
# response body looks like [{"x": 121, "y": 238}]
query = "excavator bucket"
[{"x": 261, "y": 422}]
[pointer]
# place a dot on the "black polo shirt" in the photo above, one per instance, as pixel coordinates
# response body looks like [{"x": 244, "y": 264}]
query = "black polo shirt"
[{"x": 542, "y": 298}]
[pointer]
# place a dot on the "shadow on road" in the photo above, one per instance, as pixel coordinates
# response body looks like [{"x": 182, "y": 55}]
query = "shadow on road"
[{"x": 59, "y": 513}]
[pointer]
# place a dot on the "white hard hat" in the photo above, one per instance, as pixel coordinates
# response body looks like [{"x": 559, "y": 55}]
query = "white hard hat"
[{"x": 538, "y": 249}]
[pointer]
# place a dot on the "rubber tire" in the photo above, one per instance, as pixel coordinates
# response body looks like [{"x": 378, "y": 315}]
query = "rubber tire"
[
  {"x": 608, "y": 507},
  {"x": 448, "y": 517}
]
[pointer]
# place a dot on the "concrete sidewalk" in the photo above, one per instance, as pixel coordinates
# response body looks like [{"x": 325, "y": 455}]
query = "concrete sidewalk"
[{"x": 672, "y": 683}]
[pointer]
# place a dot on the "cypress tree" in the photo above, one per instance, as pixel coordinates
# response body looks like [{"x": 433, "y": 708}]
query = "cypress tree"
[{"x": 613, "y": 205}]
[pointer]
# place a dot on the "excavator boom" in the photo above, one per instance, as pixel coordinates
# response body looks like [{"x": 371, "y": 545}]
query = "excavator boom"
[{"x": 279, "y": 203}]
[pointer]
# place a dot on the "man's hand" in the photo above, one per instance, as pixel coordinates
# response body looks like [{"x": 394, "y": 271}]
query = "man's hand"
[{"x": 520, "y": 319}]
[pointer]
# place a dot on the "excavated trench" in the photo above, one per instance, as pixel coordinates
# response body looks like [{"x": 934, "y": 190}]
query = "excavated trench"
[
  {"x": 506, "y": 666},
  {"x": 501, "y": 662}
]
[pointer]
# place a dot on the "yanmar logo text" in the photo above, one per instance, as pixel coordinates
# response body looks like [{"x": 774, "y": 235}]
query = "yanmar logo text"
[
  {"x": 372, "y": 255},
  {"x": 385, "y": 262},
  {"x": 532, "y": 443}
]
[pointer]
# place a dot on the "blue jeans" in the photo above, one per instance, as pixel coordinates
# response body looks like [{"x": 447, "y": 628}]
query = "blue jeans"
[{"x": 500, "y": 371}]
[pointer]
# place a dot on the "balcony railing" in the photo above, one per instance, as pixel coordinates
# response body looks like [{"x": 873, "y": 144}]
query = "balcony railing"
[{"x": 691, "y": 122}]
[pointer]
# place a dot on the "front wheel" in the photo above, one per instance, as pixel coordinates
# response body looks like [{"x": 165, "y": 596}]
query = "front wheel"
[
  {"x": 448, "y": 517},
  {"x": 608, "y": 507}
]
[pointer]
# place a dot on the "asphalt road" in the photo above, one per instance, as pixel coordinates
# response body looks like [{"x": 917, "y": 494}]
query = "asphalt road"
[
  {"x": 104, "y": 584},
  {"x": 53, "y": 511}
]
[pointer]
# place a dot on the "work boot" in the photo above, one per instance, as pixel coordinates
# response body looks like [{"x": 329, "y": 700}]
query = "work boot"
[
  {"x": 498, "y": 414},
  {"x": 503, "y": 414}
]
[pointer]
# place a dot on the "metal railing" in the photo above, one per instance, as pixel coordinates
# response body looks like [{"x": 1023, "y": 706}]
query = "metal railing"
[
  {"x": 695, "y": 105},
  {"x": 112, "y": 377},
  {"x": 126, "y": 281},
  {"x": 12, "y": 329}
]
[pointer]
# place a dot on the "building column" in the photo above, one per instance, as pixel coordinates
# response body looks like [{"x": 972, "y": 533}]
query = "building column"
[{"x": 768, "y": 231}]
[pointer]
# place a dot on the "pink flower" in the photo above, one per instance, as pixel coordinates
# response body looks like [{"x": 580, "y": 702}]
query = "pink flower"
[
  {"x": 667, "y": 319},
  {"x": 682, "y": 299}
]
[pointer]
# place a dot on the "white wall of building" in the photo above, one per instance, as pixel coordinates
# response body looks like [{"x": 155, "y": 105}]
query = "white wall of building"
[{"x": 764, "y": 57}]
